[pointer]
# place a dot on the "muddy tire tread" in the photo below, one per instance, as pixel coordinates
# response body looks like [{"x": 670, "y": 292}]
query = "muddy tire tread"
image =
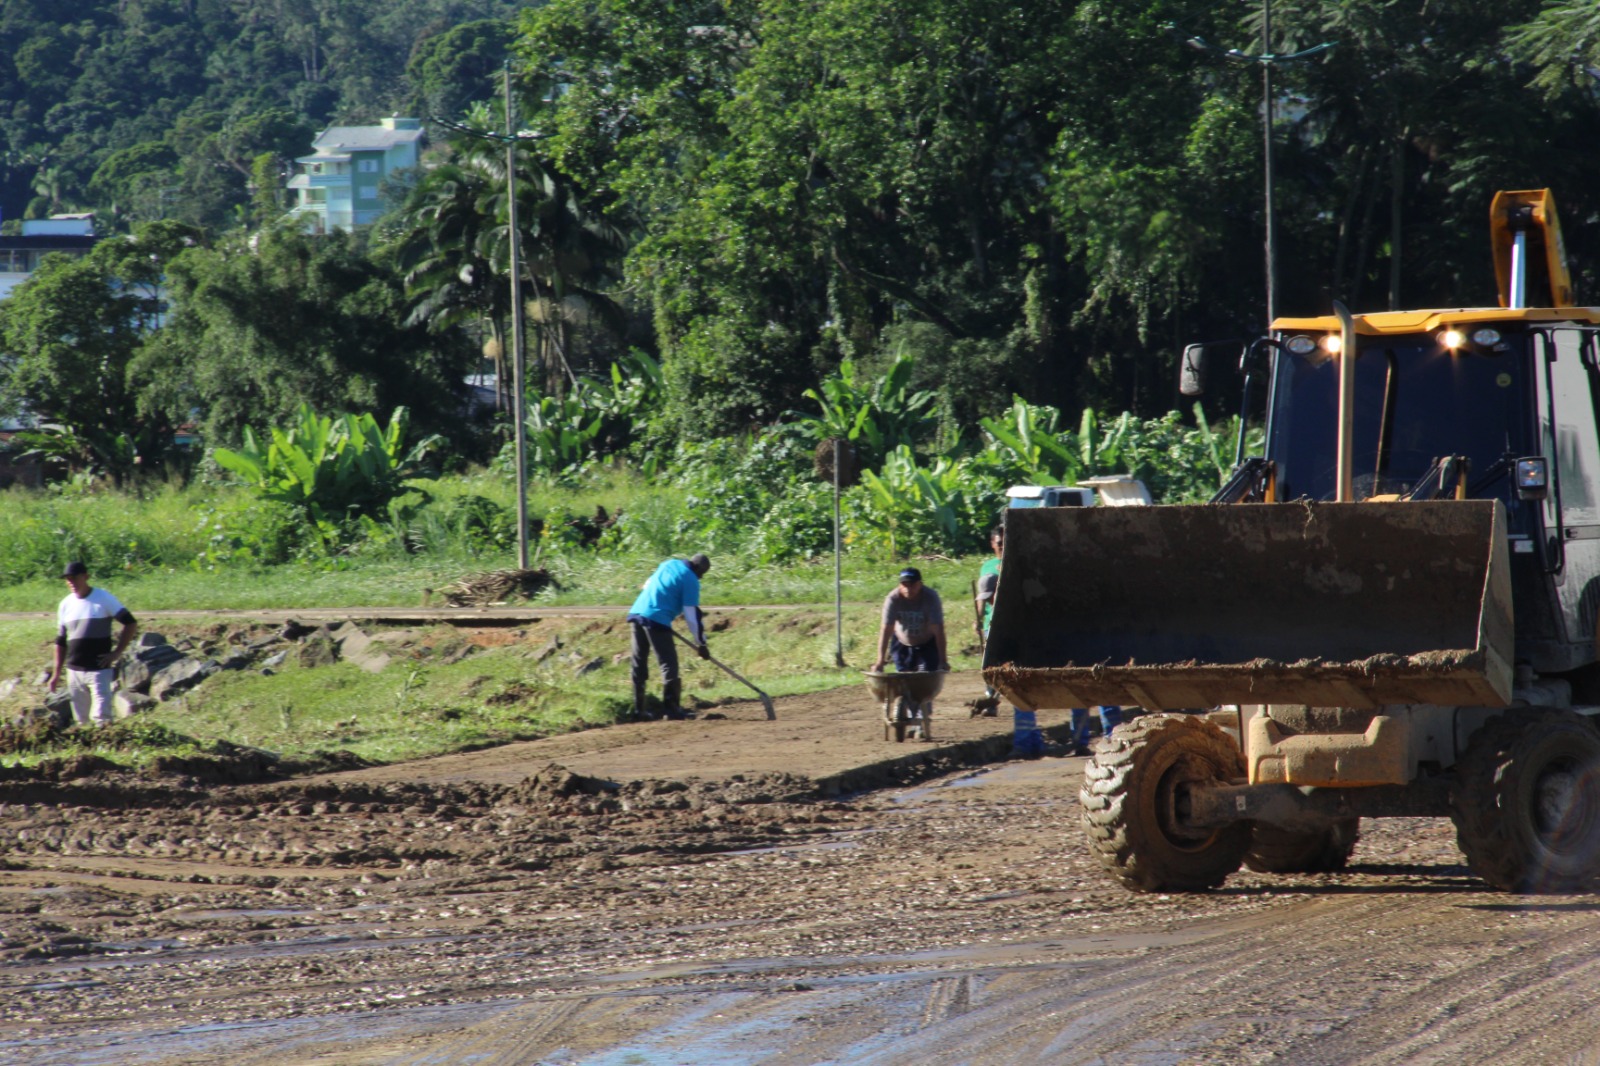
[
  {"x": 1121, "y": 778},
  {"x": 1486, "y": 782}
]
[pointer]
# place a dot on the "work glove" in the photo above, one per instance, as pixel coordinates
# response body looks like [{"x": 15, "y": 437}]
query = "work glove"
[{"x": 702, "y": 651}]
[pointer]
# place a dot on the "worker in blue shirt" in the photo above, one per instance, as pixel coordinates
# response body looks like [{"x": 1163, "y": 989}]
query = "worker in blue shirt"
[{"x": 672, "y": 590}]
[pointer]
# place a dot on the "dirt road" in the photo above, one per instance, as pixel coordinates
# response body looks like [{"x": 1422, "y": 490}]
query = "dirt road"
[{"x": 732, "y": 891}]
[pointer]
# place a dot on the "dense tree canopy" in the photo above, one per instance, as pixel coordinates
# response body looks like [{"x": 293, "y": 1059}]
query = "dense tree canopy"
[
  {"x": 71, "y": 335},
  {"x": 1043, "y": 198},
  {"x": 260, "y": 327},
  {"x": 1051, "y": 194}
]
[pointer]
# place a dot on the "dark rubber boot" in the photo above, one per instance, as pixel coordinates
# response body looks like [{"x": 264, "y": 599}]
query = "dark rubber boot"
[
  {"x": 671, "y": 700},
  {"x": 641, "y": 705}
]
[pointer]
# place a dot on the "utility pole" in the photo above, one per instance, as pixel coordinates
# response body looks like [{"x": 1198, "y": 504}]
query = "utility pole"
[
  {"x": 838, "y": 571},
  {"x": 518, "y": 385}
]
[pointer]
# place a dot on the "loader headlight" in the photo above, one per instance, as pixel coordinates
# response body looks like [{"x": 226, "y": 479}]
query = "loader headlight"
[
  {"x": 1488, "y": 338},
  {"x": 1333, "y": 344},
  {"x": 1300, "y": 344},
  {"x": 1453, "y": 339}
]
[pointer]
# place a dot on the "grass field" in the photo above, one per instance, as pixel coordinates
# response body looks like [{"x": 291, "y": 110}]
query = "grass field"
[
  {"x": 156, "y": 552},
  {"x": 547, "y": 677}
]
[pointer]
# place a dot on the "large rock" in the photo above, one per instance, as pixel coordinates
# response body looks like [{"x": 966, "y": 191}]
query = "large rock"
[
  {"x": 135, "y": 676},
  {"x": 59, "y": 704},
  {"x": 180, "y": 677},
  {"x": 154, "y": 648},
  {"x": 131, "y": 703},
  {"x": 319, "y": 649},
  {"x": 151, "y": 654},
  {"x": 357, "y": 646}
]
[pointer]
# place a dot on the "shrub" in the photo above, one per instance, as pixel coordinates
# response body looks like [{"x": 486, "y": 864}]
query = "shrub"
[
  {"x": 330, "y": 467},
  {"x": 731, "y": 483},
  {"x": 333, "y": 471},
  {"x": 905, "y": 508},
  {"x": 798, "y": 525}
]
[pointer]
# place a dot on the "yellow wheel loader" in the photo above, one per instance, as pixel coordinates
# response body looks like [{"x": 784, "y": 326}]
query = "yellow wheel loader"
[{"x": 1392, "y": 611}]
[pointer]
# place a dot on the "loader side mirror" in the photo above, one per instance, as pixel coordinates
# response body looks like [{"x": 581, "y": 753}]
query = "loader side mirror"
[
  {"x": 1533, "y": 478},
  {"x": 1192, "y": 371}
]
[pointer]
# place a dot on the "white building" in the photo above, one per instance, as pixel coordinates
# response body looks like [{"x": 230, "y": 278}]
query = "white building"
[
  {"x": 20, "y": 256},
  {"x": 338, "y": 186}
]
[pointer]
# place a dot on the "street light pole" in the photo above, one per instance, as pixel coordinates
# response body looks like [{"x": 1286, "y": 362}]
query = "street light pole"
[
  {"x": 518, "y": 359},
  {"x": 1267, "y": 60},
  {"x": 518, "y": 386},
  {"x": 1266, "y": 123}
]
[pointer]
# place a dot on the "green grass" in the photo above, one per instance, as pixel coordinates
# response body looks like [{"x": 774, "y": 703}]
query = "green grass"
[
  {"x": 149, "y": 553},
  {"x": 422, "y": 706}
]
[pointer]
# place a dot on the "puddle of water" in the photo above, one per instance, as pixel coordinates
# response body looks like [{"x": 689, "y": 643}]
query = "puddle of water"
[
  {"x": 223, "y": 1041},
  {"x": 1005, "y": 774},
  {"x": 917, "y": 795},
  {"x": 57, "y": 986},
  {"x": 776, "y": 849},
  {"x": 239, "y": 912}
]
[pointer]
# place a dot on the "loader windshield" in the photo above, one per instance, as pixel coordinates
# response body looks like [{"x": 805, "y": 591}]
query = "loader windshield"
[{"x": 1414, "y": 402}]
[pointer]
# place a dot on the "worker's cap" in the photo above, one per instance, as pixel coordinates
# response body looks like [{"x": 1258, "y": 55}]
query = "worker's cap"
[
  {"x": 910, "y": 574},
  {"x": 700, "y": 563},
  {"x": 75, "y": 569}
]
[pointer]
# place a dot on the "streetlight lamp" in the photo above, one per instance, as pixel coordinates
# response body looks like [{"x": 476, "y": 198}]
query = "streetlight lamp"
[{"x": 1267, "y": 59}]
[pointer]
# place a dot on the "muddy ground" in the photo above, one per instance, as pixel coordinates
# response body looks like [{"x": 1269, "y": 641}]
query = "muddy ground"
[{"x": 731, "y": 891}]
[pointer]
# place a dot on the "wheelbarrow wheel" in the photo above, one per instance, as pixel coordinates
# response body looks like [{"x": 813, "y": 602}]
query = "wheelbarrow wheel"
[{"x": 902, "y": 719}]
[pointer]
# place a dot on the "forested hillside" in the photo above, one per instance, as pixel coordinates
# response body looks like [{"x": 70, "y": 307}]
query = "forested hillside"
[{"x": 145, "y": 109}]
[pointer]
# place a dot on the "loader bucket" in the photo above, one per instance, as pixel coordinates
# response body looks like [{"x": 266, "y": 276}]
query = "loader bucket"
[{"x": 1191, "y": 607}]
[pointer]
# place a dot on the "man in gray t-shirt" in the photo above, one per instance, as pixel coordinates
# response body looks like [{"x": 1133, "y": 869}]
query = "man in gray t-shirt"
[{"x": 913, "y": 627}]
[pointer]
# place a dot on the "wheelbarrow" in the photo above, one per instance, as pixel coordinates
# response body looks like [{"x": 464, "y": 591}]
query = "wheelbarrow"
[{"x": 903, "y": 696}]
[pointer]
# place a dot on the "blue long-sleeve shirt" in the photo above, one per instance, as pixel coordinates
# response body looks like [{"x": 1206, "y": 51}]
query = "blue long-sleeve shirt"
[{"x": 672, "y": 590}]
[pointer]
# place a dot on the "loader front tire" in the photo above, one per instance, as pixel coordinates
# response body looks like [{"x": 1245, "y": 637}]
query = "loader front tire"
[
  {"x": 1527, "y": 802},
  {"x": 1131, "y": 797},
  {"x": 1284, "y": 851}
]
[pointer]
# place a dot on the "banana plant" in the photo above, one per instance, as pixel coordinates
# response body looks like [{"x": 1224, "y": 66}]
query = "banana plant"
[
  {"x": 1026, "y": 439},
  {"x": 905, "y": 501},
  {"x": 329, "y": 466},
  {"x": 877, "y": 418}
]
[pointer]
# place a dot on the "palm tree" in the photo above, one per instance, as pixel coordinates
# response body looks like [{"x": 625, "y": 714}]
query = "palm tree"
[
  {"x": 448, "y": 276},
  {"x": 568, "y": 254},
  {"x": 454, "y": 247}
]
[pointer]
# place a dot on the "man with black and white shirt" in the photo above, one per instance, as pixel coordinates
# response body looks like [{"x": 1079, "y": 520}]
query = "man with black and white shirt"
[{"x": 84, "y": 645}]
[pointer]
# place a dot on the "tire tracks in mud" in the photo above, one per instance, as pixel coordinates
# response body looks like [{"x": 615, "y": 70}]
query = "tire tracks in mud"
[
  {"x": 565, "y": 921},
  {"x": 1349, "y": 979}
]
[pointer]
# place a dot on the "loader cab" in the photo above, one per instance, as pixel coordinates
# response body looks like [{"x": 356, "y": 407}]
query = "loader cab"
[
  {"x": 1490, "y": 404},
  {"x": 1416, "y": 400}
]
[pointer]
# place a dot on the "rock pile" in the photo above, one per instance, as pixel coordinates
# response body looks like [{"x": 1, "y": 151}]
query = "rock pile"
[{"x": 156, "y": 670}]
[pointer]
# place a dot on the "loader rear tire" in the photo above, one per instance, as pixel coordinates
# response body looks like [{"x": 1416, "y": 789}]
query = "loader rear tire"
[
  {"x": 1527, "y": 802},
  {"x": 1284, "y": 851},
  {"x": 1132, "y": 788}
]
